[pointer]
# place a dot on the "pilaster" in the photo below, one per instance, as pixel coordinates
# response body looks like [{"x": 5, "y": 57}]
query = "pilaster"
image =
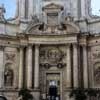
[
  {"x": 75, "y": 65},
  {"x": 21, "y": 65},
  {"x": 85, "y": 66},
  {"x": 68, "y": 67},
  {"x": 36, "y": 71},
  {"x": 29, "y": 66}
]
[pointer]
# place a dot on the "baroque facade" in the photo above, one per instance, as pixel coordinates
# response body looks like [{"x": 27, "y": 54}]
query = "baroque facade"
[{"x": 49, "y": 40}]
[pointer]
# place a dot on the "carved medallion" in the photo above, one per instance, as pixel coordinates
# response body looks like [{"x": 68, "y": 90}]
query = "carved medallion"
[
  {"x": 54, "y": 55},
  {"x": 10, "y": 56}
]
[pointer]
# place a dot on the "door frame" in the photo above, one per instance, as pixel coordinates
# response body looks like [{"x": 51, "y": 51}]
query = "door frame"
[{"x": 55, "y": 72}]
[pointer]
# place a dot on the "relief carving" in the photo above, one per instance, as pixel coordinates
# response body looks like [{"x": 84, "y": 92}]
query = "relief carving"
[
  {"x": 54, "y": 55},
  {"x": 8, "y": 75},
  {"x": 96, "y": 55},
  {"x": 97, "y": 73},
  {"x": 10, "y": 56},
  {"x": 51, "y": 57}
]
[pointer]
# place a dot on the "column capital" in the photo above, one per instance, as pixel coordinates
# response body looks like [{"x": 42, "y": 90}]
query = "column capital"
[
  {"x": 21, "y": 47},
  {"x": 83, "y": 45},
  {"x": 75, "y": 44},
  {"x": 37, "y": 45},
  {"x": 30, "y": 45},
  {"x": 2, "y": 47},
  {"x": 68, "y": 45}
]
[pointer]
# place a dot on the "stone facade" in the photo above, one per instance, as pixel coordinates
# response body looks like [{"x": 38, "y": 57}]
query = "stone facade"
[{"x": 49, "y": 40}]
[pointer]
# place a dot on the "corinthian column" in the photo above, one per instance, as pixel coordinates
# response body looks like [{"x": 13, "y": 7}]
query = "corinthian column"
[
  {"x": 68, "y": 67},
  {"x": 85, "y": 67},
  {"x": 29, "y": 66},
  {"x": 21, "y": 63},
  {"x": 75, "y": 65},
  {"x": 36, "y": 70}
]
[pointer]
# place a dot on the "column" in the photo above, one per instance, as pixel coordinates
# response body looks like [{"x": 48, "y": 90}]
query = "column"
[
  {"x": 22, "y": 8},
  {"x": 85, "y": 67},
  {"x": 21, "y": 65},
  {"x": 36, "y": 70},
  {"x": 75, "y": 65},
  {"x": 83, "y": 8},
  {"x": 30, "y": 8},
  {"x": 68, "y": 67},
  {"x": 29, "y": 67},
  {"x": 1, "y": 66}
]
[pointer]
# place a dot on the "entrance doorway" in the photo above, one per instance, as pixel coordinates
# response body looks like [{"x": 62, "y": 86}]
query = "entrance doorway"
[{"x": 53, "y": 79}]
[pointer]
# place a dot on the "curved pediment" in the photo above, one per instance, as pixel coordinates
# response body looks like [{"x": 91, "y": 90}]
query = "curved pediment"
[
  {"x": 72, "y": 28},
  {"x": 64, "y": 28},
  {"x": 53, "y": 6}
]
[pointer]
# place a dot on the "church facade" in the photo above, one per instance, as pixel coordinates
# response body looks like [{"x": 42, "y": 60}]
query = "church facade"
[{"x": 49, "y": 41}]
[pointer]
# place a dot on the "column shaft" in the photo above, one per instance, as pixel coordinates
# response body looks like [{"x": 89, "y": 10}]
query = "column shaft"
[
  {"x": 36, "y": 71},
  {"x": 68, "y": 67},
  {"x": 1, "y": 67},
  {"x": 75, "y": 66},
  {"x": 30, "y": 8},
  {"x": 22, "y": 10},
  {"x": 83, "y": 8},
  {"x": 21, "y": 67},
  {"x": 85, "y": 67},
  {"x": 29, "y": 67}
]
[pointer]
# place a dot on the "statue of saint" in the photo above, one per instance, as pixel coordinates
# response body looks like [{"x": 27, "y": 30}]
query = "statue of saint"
[
  {"x": 8, "y": 77},
  {"x": 2, "y": 11}
]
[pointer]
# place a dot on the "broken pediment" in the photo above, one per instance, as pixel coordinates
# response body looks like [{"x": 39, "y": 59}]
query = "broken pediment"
[
  {"x": 52, "y": 6},
  {"x": 63, "y": 28}
]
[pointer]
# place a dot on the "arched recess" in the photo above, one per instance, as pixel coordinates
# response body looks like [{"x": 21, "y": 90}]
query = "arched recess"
[{"x": 96, "y": 74}]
